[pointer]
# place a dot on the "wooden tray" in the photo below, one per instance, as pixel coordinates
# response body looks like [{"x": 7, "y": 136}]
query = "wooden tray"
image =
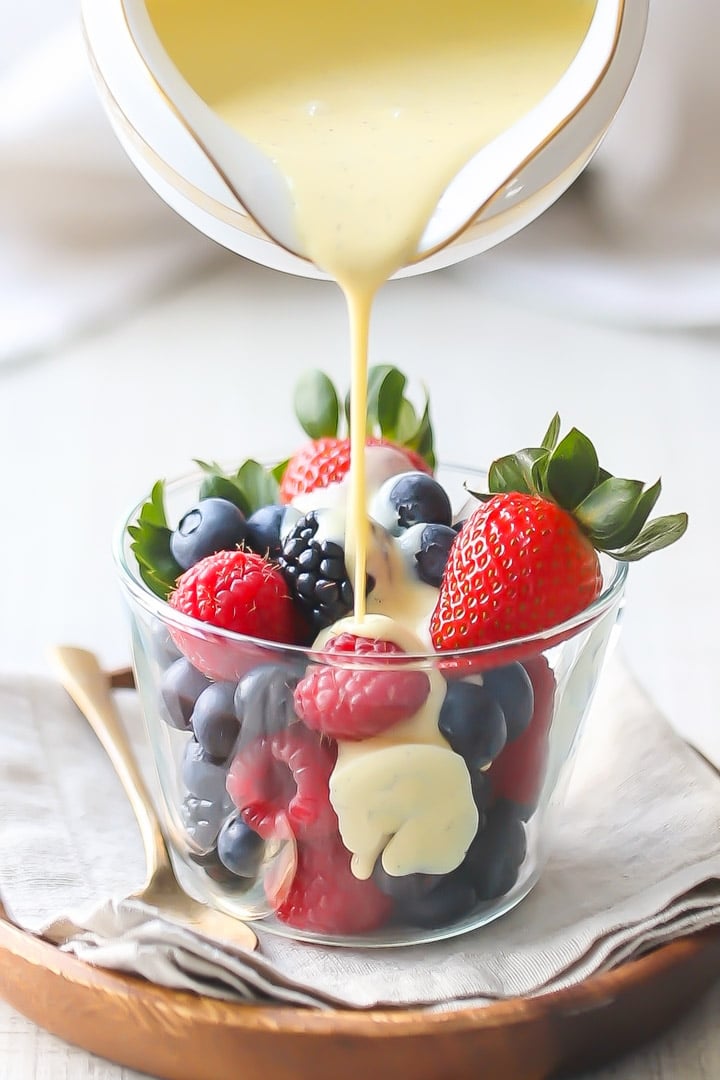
[{"x": 179, "y": 1036}]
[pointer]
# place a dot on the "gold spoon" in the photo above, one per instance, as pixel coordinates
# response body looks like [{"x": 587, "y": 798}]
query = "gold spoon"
[{"x": 89, "y": 687}]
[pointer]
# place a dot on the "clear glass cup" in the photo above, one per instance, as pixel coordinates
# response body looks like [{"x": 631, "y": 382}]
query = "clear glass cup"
[{"x": 252, "y": 829}]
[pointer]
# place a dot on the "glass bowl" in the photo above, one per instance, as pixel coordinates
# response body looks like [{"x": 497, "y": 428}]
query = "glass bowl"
[{"x": 257, "y": 808}]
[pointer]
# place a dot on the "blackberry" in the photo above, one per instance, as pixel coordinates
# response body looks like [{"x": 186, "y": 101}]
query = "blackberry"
[{"x": 314, "y": 568}]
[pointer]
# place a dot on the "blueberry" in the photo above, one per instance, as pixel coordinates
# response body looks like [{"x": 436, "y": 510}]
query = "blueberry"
[
  {"x": 215, "y": 870},
  {"x": 213, "y": 525},
  {"x": 266, "y": 529},
  {"x": 496, "y": 854},
  {"x": 482, "y": 791},
  {"x": 264, "y": 698},
  {"x": 180, "y": 687},
  {"x": 472, "y": 722},
  {"x": 239, "y": 848},
  {"x": 203, "y": 777},
  {"x": 202, "y": 820},
  {"x": 409, "y": 499},
  {"x": 406, "y": 888},
  {"x": 214, "y": 721},
  {"x": 513, "y": 691},
  {"x": 452, "y": 898},
  {"x": 426, "y": 548},
  {"x": 162, "y": 646}
]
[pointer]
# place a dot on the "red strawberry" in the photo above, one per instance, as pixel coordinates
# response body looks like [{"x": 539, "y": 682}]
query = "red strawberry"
[
  {"x": 518, "y": 772},
  {"x": 391, "y": 421},
  {"x": 520, "y": 564},
  {"x": 325, "y": 461},
  {"x": 526, "y": 559},
  {"x": 285, "y": 778},
  {"x": 238, "y": 591},
  {"x": 325, "y": 896},
  {"x": 357, "y": 702}
]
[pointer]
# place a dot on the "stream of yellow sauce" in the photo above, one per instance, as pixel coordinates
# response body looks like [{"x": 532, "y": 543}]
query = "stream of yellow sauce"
[{"x": 369, "y": 108}]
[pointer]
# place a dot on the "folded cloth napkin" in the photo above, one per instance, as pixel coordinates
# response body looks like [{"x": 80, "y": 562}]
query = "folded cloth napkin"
[{"x": 634, "y": 862}]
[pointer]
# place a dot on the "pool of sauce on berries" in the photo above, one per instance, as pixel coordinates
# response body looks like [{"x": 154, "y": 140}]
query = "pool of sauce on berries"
[{"x": 369, "y": 111}]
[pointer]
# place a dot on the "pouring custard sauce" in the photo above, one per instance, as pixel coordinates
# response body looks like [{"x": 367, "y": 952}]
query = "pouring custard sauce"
[{"x": 369, "y": 108}]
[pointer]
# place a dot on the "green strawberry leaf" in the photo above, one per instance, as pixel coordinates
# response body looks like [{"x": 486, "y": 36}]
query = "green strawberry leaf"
[
  {"x": 317, "y": 405},
  {"x": 623, "y": 522},
  {"x": 612, "y": 512},
  {"x": 550, "y": 438},
  {"x": 517, "y": 472},
  {"x": 606, "y": 512},
  {"x": 150, "y": 544},
  {"x": 218, "y": 486},
  {"x": 659, "y": 534},
  {"x": 252, "y": 486},
  {"x": 278, "y": 470},
  {"x": 257, "y": 484},
  {"x": 422, "y": 440},
  {"x": 152, "y": 511},
  {"x": 572, "y": 470},
  {"x": 407, "y": 424},
  {"x": 386, "y": 386},
  {"x": 392, "y": 415}
]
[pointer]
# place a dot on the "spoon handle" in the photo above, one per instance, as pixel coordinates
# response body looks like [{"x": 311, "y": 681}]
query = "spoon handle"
[{"x": 87, "y": 684}]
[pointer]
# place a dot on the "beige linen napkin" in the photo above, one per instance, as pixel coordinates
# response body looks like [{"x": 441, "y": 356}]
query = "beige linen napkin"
[{"x": 634, "y": 861}]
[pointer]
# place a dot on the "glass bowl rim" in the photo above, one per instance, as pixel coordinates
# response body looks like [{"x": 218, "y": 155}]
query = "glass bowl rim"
[{"x": 154, "y": 605}]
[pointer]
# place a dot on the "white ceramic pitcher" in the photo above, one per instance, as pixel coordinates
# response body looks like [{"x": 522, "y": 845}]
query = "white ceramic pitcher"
[{"x": 225, "y": 187}]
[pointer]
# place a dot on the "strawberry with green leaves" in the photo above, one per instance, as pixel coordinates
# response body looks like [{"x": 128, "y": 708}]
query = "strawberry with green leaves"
[
  {"x": 527, "y": 558},
  {"x": 392, "y": 421}
]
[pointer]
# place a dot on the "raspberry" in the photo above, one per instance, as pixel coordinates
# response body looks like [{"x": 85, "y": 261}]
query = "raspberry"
[
  {"x": 359, "y": 702},
  {"x": 325, "y": 897},
  {"x": 285, "y": 777},
  {"x": 238, "y": 591}
]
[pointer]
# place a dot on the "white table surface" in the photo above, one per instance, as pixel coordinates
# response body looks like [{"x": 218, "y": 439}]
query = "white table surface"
[{"x": 208, "y": 372}]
